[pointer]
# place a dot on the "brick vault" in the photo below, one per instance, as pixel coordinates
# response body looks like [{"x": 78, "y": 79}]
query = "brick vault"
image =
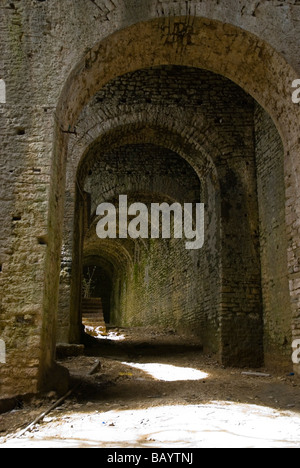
[{"x": 164, "y": 101}]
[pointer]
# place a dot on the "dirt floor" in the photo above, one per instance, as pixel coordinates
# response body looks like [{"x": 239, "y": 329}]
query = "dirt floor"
[{"x": 153, "y": 390}]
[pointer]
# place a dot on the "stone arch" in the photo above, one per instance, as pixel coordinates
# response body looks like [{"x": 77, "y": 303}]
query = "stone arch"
[
  {"x": 137, "y": 131},
  {"x": 198, "y": 141},
  {"x": 197, "y": 154},
  {"x": 129, "y": 275},
  {"x": 212, "y": 45},
  {"x": 221, "y": 48},
  {"x": 112, "y": 108},
  {"x": 121, "y": 137}
]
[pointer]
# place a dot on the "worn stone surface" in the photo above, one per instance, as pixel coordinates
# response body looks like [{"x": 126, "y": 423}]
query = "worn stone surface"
[{"x": 56, "y": 59}]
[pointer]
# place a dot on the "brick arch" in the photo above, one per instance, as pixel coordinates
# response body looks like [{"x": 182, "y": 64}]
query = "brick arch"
[
  {"x": 114, "y": 108},
  {"x": 221, "y": 48},
  {"x": 118, "y": 253},
  {"x": 127, "y": 272},
  {"x": 212, "y": 45},
  {"x": 139, "y": 133},
  {"x": 178, "y": 139},
  {"x": 124, "y": 137}
]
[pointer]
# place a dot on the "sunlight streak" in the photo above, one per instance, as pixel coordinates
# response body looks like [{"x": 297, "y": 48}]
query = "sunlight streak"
[
  {"x": 215, "y": 424},
  {"x": 100, "y": 333},
  {"x": 167, "y": 373}
]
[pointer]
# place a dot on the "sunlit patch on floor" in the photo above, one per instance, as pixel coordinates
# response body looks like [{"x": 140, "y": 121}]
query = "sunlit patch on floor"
[
  {"x": 100, "y": 333},
  {"x": 168, "y": 373},
  {"x": 215, "y": 424}
]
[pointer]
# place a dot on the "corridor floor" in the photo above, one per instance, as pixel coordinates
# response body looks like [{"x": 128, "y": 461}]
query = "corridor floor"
[{"x": 158, "y": 390}]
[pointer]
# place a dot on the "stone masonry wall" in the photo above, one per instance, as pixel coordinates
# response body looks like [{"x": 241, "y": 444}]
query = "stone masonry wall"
[
  {"x": 273, "y": 240},
  {"x": 55, "y": 57}
]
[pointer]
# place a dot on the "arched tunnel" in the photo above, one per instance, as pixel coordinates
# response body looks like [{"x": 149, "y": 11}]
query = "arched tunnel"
[
  {"x": 150, "y": 200},
  {"x": 177, "y": 135},
  {"x": 147, "y": 273}
]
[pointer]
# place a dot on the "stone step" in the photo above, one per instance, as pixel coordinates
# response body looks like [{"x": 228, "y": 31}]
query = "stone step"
[
  {"x": 87, "y": 319},
  {"x": 92, "y": 312}
]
